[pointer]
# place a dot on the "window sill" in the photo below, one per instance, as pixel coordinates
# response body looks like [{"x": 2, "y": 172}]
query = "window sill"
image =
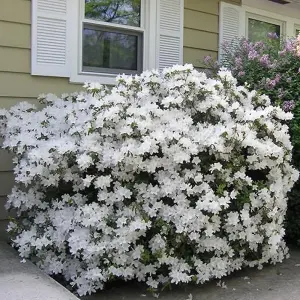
[{"x": 102, "y": 78}]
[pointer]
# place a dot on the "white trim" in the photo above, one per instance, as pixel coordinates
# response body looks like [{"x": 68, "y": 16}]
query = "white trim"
[
  {"x": 288, "y": 10},
  {"x": 163, "y": 33},
  {"x": 34, "y": 67},
  {"x": 157, "y": 35},
  {"x": 296, "y": 27},
  {"x": 151, "y": 26},
  {"x": 150, "y": 50},
  {"x": 113, "y": 25},
  {"x": 43, "y": 69},
  {"x": 236, "y": 29},
  {"x": 243, "y": 22},
  {"x": 181, "y": 30},
  {"x": 148, "y": 21}
]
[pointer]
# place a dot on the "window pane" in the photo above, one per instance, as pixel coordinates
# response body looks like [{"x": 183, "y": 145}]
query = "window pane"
[
  {"x": 110, "y": 50},
  {"x": 258, "y": 30},
  {"x": 297, "y": 32},
  {"x": 126, "y": 12}
]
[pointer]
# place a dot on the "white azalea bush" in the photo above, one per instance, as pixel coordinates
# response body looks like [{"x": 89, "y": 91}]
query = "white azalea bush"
[{"x": 166, "y": 178}]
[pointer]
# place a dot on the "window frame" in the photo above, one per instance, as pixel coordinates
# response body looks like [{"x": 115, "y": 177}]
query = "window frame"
[
  {"x": 116, "y": 28},
  {"x": 270, "y": 16},
  {"x": 163, "y": 39},
  {"x": 265, "y": 19},
  {"x": 148, "y": 60},
  {"x": 296, "y": 27}
]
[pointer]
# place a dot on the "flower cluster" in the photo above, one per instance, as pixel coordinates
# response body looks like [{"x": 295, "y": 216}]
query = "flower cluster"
[
  {"x": 166, "y": 178},
  {"x": 288, "y": 105},
  {"x": 269, "y": 66},
  {"x": 272, "y": 67}
]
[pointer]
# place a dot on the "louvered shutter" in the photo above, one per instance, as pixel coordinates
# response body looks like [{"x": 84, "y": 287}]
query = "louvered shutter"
[
  {"x": 170, "y": 32},
  {"x": 231, "y": 24},
  {"x": 49, "y": 38}
]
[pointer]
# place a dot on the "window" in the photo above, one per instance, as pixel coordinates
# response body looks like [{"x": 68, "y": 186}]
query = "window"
[
  {"x": 255, "y": 19},
  {"x": 259, "y": 27},
  {"x": 112, "y": 37},
  {"x": 94, "y": 40}
]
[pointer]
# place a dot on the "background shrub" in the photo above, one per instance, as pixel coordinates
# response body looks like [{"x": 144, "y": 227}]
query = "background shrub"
[
  {"x": 165, "y": 178},
  {"x": 272, "y": 67}
]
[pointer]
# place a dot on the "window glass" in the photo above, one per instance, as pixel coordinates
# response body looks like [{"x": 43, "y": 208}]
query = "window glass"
[
  {"x": 125, "y": 12},
  {"x": 105, "y": 50},
  {"x": 258, "y": 30}
]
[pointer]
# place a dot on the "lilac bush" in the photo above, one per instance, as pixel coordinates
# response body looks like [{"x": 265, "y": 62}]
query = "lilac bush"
[
  {"x": 270, "y": 66},
  {"x": 150, "y": 180}
]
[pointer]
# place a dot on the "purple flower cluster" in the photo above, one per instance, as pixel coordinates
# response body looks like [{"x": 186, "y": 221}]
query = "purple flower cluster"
[
  {"x": 265, "y": 60},
  {"x": 253, "y": 54},
  {"x": 246, "y": 45},
  {"x": 288, "y": 105},
  {"x": 271, "y": 66},
  {"x": 207, "y": 59},
  {"x": 259, "y": 45},
  {"x": 272, "y": 35},
  {"x": 289, "y": 46},
  {"x": 271, "y": 83}
]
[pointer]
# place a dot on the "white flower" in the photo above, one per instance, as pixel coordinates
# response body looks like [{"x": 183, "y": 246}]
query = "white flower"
[
  {"x": 233, "y": 218},
  {"x": 102, "y": 182},
  {"x": 216, "y": 166},
  {"x": 88, "y": 180},
  {"x": 84, "y": 161}
]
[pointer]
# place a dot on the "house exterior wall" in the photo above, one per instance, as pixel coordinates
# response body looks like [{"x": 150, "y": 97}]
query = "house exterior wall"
[
  {"x": 16, "y": 84},
  {"x": 201, "y": 30}
]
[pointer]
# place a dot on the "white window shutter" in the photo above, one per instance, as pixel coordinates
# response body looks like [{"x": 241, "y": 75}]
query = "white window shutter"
[
  {"x": 231, "y": 23},
  {"x": 49, "y": 35},
  {"x": 170, "y": 32}
]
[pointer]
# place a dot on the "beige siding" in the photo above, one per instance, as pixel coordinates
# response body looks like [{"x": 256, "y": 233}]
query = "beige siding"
[
  {"x": 15, "y": 11},
  {"x": 25, "y": 85},
  {"x": 18, "y": 37},
  {"x": 201, "y": 30},
  {"x": 18, "y": 62},
  {"x": 16, "y": 83},
  {"x": 7, "y": 102}
]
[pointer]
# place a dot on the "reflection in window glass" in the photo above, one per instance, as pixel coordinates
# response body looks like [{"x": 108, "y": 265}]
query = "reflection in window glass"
[
  {"x": 110, "y": 50},
  {"x": 258, "y": 30},
  {"x": 125, "y": 12}
]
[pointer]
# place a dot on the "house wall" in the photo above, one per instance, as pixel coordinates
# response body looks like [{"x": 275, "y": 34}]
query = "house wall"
[
  {"x": 201, "y": 30},
  {"x": 16, "y": 83}
]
